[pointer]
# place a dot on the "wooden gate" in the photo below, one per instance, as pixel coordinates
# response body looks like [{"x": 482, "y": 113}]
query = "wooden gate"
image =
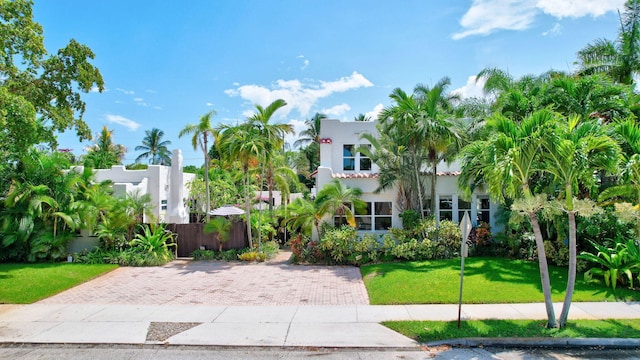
[{"x": 191, "y": 237}]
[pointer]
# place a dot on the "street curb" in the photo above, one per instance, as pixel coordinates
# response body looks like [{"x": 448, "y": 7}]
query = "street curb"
[
  {"x": 618, "y": 343},
  {"x": 150, "y": 345}
]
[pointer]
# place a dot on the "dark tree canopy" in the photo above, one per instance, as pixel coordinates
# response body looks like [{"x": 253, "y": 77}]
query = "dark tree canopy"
[{"x": 39, "y": 92}]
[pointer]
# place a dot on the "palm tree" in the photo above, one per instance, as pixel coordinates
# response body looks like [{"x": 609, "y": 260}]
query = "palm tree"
[
  {"x": 628, "y": 133},
  {"x": 362, "y": 117},
  {"x": 402, "y": 120},
  {"x": 104, "y": 153},
  {"x": 220, "y": 225},
  {"x": 200, "y": 134},
  {"x": 335, "y": 198},
  {"x": 441, "y": 136},
  {"x": 574, "y": 150},
  {"x": 154, "y": 148},
  {"x": 244, "y": 144},
  {"x": 593, "y": 96},
  {"x": 273, "y": 137},
  {"x": 515, "y": 98},
  {"x": 394, "y": 162},
  {"x": 620, "y": 59},
  {"x": 312, "y": 132},
  {"x": 507, "y": 161},
  {"x": 301, "y": 216}
]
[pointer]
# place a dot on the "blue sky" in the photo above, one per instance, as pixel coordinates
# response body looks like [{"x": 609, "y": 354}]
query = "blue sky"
[{"x": 166, "y": 63}]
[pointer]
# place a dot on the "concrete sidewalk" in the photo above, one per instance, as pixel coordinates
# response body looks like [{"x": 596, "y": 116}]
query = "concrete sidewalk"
[{"x": 281, "y": 326}]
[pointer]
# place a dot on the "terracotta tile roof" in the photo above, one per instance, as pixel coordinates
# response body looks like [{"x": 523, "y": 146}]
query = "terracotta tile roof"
[{"x": 355, "y": 176}]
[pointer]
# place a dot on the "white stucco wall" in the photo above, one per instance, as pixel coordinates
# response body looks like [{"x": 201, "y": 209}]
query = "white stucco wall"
[
  {"x": 155, "y": 181},
  {"x": 334, "y": 134}
]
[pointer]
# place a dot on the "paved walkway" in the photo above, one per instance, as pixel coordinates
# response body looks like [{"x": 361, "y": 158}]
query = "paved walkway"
[
  {"x": 299, "y": 326},
  {"x": 235, "y": 304},
  {"x": 213, "y": 283}
]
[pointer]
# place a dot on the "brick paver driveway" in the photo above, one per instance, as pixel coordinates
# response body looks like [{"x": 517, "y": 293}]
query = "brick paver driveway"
[{"x": 222, "y": 283}]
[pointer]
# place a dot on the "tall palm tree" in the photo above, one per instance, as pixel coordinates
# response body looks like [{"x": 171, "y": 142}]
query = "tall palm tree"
[
  {"x": 394, "y": 162},
  {"x": 515, "y": 98},
  {"x": 619, "y": 59},
  {"x": 402, "y": 119},
  {"x": 506, "y": 162},
  {"x": 442, "y": 138},
  {"x": 335, "y": 198},
  {"x": 312, "y": 132},
  {"x": 104, "y": 153},
  {"x": 574, "y": 150},
  {"x": 244, "y": 144},
  {"x": 273, "y": 137},
  {"x": 154, "y": 148},
  {"x": 201, "y": 133}
]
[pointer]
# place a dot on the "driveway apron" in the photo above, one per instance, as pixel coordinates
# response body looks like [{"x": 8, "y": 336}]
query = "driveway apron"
[{"x": 182, "y": 282}]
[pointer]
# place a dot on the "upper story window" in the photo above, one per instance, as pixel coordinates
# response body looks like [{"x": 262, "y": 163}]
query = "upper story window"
[
  {"x": 348, "y": 157},
  {"x": 353, "y": 160}
]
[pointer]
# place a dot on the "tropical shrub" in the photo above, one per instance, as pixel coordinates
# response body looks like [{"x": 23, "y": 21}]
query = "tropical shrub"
[
  {"x": 615, "y": 264},
  {"x": 151, "y": 247},
  {"x": 200, "y": 254}
]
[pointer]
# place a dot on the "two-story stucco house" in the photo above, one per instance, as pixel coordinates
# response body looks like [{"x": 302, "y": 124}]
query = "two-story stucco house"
[{"x": 339, "y": 160}]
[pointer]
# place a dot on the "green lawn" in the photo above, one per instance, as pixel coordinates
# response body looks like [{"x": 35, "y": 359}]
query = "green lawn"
[
  {"x": 426, "y": 331},
  {"x": 28, "y": 283},
  {"x": 486, "y": 281}
]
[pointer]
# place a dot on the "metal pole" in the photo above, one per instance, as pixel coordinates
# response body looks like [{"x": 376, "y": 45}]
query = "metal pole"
[{"x": 465, "y": 229}]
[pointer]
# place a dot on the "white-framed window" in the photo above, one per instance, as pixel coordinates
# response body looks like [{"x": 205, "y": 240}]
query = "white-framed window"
[
  {"x": 348, "y": 157},
  {"x": 445, "y": 207},
  {"x": 462, "y": 207},
  {"x": 375, "y": 216},
  {"x": 365, "y": 162},
  {"x": 483, "y": 209},
  {"x": 353, "y": 160}
]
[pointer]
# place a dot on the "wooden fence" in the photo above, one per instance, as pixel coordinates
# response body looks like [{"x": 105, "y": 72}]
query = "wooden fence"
[{"x": 191, "y": 237}]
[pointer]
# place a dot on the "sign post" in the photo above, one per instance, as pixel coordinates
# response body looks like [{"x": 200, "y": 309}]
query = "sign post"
[{"x": 465, "y": 228}]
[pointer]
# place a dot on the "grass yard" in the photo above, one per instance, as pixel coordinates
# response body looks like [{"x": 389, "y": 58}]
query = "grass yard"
[
  {"x": 486, "y": 281},
  {"x": 426, "y": 331},
  {"x": 28, "y": 283}
]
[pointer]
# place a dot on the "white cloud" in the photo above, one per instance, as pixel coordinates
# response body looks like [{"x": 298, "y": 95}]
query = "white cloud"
[
  {"x": 209, "y": 104},
  {"x": 305, "y": 63},
  {"x": 373, "y": 114},
  {"x": 127, "y": 92},
  {"x": 487, "y": 16},
  {"x": 473, "y": 88},
  {"x": 138, "y": 99},
  {"x": 578, "y": 8},
  {"x": 555, "y": 30},
  {"x": 248, "y": 113},
  {"x": 298, "y": 96},
  {"x": 96, "y": 89},
  {"x": 151, "y": 91},
  {"x": 336, "y": 110},
  {"x": 121, "y": 120}
]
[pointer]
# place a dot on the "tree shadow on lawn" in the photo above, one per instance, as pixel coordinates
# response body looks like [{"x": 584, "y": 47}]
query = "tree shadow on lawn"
[
  {"x": 527, "y": 272},
  {"x": 507, "y": 271}
]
